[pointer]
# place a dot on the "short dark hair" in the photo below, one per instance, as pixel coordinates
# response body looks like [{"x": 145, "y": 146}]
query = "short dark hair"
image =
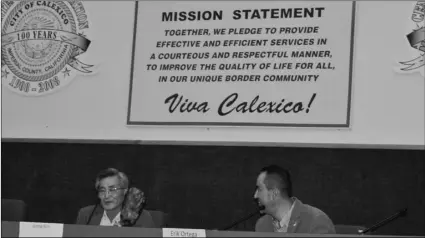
[
  {"x": 110, "y": 172},
  {"x": 278, "y": 177}
]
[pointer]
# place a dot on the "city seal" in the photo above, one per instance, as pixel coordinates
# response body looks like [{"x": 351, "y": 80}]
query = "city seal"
[
  {"x": 416, "y": 40},
  {"x": 40, "y": 43}
]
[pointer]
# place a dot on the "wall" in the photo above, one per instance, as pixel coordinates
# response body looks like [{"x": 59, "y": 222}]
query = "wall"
[
  {"x": 211, "y": 186},
  {"x": 387, "y": 107}
]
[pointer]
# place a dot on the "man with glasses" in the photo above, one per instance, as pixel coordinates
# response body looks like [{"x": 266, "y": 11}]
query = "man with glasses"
[
  {"x": 118, "y": 204},
  {"x": 283, "y": 212}
]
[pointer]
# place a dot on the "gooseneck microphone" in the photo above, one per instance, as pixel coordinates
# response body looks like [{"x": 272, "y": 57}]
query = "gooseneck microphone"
[
  {"x": 387, "y": 220},
  {"x": 244, "y": 218}
]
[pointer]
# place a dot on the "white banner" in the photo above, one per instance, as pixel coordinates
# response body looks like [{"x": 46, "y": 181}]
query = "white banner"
[{"x": 242, "y": 63}]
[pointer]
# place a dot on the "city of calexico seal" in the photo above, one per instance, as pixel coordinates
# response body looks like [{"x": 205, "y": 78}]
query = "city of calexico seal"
[
  {"x": 416, "y": 39},
  {"x": 40, "y": 43}
]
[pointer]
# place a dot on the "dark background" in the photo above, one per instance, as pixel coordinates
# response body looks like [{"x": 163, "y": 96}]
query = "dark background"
[{"x": 211, "y": 186}]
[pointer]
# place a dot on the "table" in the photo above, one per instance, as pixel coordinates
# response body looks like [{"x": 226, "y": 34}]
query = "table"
[{"x": 11, "y": 229}]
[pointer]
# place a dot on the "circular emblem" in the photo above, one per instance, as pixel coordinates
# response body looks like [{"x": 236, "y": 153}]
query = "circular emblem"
[{"x": 40, "y": 43}]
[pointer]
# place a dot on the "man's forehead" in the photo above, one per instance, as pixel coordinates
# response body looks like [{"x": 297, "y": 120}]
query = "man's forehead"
[
  {"x": 260, "y": 178},
  {"x": 109, "y": 181}
]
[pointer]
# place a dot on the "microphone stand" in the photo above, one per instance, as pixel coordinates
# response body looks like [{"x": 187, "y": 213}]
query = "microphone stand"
[
  {"x": 241, "y": 220},
  {"x": 385, "y": 221}
]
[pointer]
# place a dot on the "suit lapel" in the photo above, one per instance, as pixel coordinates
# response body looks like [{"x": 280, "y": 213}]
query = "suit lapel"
[
  {"x": 97, "y": 216},
  {"x": 295, "y": 220}
]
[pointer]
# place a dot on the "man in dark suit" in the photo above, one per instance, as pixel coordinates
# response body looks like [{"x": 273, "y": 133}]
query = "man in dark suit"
[
  {"x": 118, "y": 204},
  {"x": 284, "y": 213}
]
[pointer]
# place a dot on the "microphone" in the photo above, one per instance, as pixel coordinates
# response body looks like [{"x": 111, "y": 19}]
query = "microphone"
[
  {"x": 92, "y": 212},
  {"x": 244, "y": 218},
  {"x": 401, "y": 213}
]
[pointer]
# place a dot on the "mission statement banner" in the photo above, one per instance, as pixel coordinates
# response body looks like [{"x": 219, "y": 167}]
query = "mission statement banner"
[{"x": 242, "y": 63}]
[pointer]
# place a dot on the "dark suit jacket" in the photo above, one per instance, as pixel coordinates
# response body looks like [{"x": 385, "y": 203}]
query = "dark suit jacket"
[
  {"x": 145, "y": 218},
  {"x": 304, "y": 219}
]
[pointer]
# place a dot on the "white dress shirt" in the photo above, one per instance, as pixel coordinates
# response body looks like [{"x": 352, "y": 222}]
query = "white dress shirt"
[
  {"x": 282, "y": 225},
  {"x": 107, "y": 222}
]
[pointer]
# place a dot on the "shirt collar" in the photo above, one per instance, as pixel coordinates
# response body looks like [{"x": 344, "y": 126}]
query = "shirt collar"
[
  {"x": 115, "y": 221},
  {"x": 285, "y": 219}
]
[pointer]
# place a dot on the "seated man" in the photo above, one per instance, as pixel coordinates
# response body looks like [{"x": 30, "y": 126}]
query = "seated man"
[
  {"x": 284, "y": 213},
  {"x": 119, "y": 205}
]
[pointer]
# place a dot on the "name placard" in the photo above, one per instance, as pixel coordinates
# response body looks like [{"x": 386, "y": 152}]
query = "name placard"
[
  {"x": 259, "y": 63},
  {"x": 177, "y": 232},
  {"x": 36, "y": 229}
]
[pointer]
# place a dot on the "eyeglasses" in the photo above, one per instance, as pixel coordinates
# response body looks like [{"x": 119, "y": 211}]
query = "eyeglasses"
[{"x": 112, "y": 191}]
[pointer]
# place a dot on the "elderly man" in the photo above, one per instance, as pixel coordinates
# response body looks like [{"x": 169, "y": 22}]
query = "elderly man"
[
  {"x": 284, "y": 213},
  {"x": 118, "y": 204}
]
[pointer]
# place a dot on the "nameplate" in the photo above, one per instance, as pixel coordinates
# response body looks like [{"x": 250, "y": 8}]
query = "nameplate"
[
  {"x": 36, "y": 229},
  {"x": 178, "y": 232}
]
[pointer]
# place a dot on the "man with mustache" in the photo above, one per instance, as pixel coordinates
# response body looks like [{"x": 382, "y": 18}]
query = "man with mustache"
[
  {"x": 283, "y": 212},
  {"x": 119, "y": 204}
]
